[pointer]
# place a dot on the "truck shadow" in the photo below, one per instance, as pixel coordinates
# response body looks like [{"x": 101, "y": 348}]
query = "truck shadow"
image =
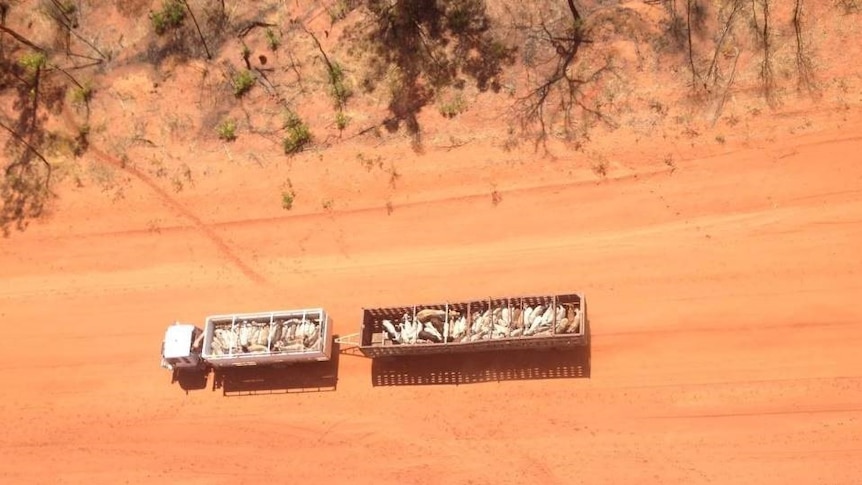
[
  {"x": 190, "y": 380},
  {"x": 293, "y": 378},
  {"x": 488, "y": 366}
]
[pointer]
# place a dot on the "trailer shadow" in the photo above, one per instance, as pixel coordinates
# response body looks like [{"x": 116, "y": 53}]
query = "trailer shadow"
[
  {"x": 487, "y": 366},
  {"x": 292, "y": 378}
]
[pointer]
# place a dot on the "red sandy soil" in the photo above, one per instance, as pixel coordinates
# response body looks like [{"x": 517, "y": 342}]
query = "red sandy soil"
[
  {"x": 721, "y": 282},
  {"x": 722, "y": 300}
]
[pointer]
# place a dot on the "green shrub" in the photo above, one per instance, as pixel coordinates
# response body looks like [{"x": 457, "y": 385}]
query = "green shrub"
[
  {"x": 82, "y": 95},
  {"x": 453, "y": 106},
  {"x": 338, "y": 88},
  {"x": 68, "y": 7},
  {"x": 296, "y": 139},
  {"x": 339, "y": 11},
  {"x": 341, "y": 120},
  {"x": 227, "y": 130},
  {"x": 287, "y": 199},
  {"x": 272, "y": 39},
  {"x": 298, "y": 134},
  {"x": 171, "y": 16},
  {"x": 34, "y": 61},
  {"x": 242, "y": 82}
]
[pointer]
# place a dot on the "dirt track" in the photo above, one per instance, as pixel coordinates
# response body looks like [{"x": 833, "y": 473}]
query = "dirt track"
[{"x": 721, "y": 294}]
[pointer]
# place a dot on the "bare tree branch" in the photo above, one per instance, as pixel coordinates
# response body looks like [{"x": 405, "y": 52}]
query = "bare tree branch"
[
  {"x": 727, "y": 26},
  {"x": 244, "y": 30},
  {"x": 694, "y": 75},
  {"x": 723, "y": 100},
  {"x": 66, "y": 22},
  {"x": 576, "y": 15},
  {"x": 766, "y": 66},
  {"x": 198, "y": 28},
  {"x": 21, "y": 39},
  {"x": 803, "y": 63},
  {"x": 558, "y": 87}
]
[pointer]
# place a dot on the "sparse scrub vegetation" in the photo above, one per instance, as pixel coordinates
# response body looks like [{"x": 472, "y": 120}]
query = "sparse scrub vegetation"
[
  {"x": 600, "y": 167},
  {"x": 850, "y": 6},
  {"x": 394, "y": 175},
  {"x": 273, "y": 39},
  {"x": 242, "y": 82},
  {"x": 668, "y": 160},
  {"x": 370, "y": 163},
  {"x": 550, "y": 68},
  {"x": 103, "y": 176},
  {"x": 246, "y": 55},
  {"x": 287, "y": 199},
  {"x": 171, "y": 16},
  {"x": 340, "y": 10},
  {"x": 452, "y": 106},
  {"x": 67, "y": 7},
  {"x": 157, "y": 168},
  {"x": 287, "y": 195},
  {"x": 154, "y": 226},
  {"x": 177, "y": 184},
  {"x": 341, "y": 120},
  {"x": 298, "y": 134},
  {"x": 82, "y": 140},
  {"x": 496, "y": 197},
  {"x": 33, "y": 63},
  {"x": 227, "y": 130},
  {"x": 82, "y": 95},
  {"x": 181, "y": 178},
  {"x": 338, "y": 88}
]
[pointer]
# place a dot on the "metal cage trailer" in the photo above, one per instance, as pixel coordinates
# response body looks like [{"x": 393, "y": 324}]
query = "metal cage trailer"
[
  {"x": 522, "y": 322},
  {"x": 246, "y": 339}
]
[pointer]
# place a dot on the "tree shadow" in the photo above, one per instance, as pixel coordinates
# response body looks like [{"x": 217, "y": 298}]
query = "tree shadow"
[
  {"x": 183, "y": 42},
  {"x": 25, "y": 192},
  {"x": 26, "y": 178},
  {"x": 418, "y": 47}
]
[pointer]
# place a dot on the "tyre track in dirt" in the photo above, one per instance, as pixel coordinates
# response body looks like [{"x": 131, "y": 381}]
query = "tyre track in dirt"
[
  {"x": 535, "y": 248},
  {"x": 735, "y": 382},
  {"x": 472, "y": 195},
  {"x": 251, "y": 222},
  {"x": 180, "y": 209},
  {"x": 754, "y": 414},
  {"x": 469, "y": 196}
]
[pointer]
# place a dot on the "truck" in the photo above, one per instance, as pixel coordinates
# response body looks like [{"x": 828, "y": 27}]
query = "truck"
[
  {"x": 249, "y": 339},
  {"x": 495, "y": 323}
]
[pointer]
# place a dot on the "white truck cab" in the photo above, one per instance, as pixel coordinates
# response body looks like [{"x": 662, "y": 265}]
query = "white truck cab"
[{"x": 181, "y": 348}]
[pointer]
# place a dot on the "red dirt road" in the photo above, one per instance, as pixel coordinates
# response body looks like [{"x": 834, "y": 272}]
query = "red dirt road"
[{"x": 722, "y": 299}]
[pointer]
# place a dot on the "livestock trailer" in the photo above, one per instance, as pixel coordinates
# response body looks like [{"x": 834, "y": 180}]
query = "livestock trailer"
[
  {"x": 521, "y": 322},
  {"x": 245, "y": 339}
]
